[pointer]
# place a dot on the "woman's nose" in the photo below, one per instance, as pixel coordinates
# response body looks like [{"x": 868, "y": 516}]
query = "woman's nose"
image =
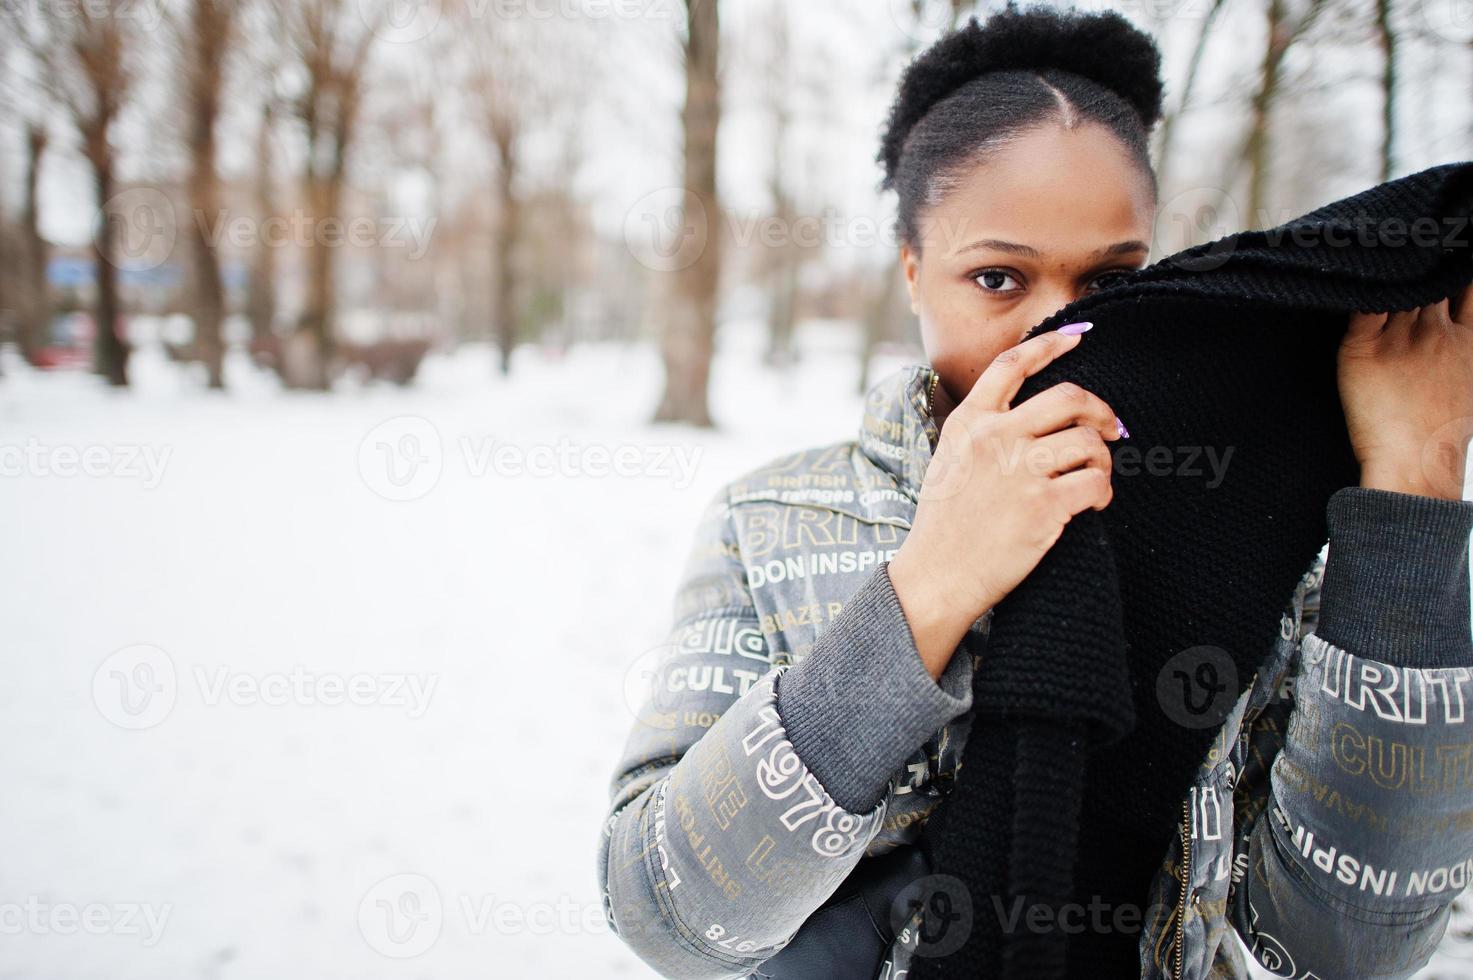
[{"x": 1055, "y": 301}]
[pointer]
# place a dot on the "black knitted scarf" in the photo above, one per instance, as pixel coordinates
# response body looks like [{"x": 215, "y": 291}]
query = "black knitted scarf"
[{"x": 1087, "y": 733}]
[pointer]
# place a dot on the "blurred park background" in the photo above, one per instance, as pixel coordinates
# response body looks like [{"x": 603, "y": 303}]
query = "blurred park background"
[{"x": 364, "y": 365}]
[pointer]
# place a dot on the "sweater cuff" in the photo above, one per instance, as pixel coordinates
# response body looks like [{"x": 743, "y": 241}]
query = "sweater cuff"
[
  {"x": 1396, "y": 578},
  {"x": 861, "y": 702}
]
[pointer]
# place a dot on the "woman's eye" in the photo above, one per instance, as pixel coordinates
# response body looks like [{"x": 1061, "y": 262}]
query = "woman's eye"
[{"x": 992, "y": 280}]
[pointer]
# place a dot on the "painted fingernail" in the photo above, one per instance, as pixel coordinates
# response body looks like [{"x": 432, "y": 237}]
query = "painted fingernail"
[
  {"x": 1075, "y": 328},
  {"x": 1124, "y": 432}
]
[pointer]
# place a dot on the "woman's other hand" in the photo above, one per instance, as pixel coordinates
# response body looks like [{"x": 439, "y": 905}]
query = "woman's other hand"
[{"x": 1406, "y": 384}]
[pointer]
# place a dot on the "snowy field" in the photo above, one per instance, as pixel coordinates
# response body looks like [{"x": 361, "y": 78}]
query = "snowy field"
[{"x": 331, "y": 687}]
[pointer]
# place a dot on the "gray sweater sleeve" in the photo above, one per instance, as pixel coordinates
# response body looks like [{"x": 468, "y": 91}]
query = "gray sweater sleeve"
[
  {"x": 734, "y": 812},
  {"x": 1366, "y": 835},
  {"x": 858, "y": 706}
]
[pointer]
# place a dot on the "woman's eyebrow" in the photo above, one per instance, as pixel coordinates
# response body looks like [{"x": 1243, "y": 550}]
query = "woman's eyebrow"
[{"x": 1028, "y": 251}]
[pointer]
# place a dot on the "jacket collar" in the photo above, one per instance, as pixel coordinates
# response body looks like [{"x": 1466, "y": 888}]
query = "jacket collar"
[{"x": 897, "y": 433}]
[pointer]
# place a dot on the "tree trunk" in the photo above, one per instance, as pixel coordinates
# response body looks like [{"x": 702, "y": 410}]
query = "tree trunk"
[
  {"x": 110, "y": 350},
  {"x": 33, "y": 327},
  {"x": 690, "y": 331},
  {"x": 1387, "y": 36},
  {"x": 315, "y": 328},
  {"x": 504, "y": 305},
  {"x": 209, "y": 290},
  {"x": 261, "y": 302},
  {"x": 1167, "y": 132},
  {"x": 1255, "y": 152},
  {"x": 876, "y": 317},
  {"x": 782, "y": 312}
]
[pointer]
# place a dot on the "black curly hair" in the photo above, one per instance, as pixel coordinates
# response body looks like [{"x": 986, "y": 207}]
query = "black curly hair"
[{"x": 981, "y": 85}]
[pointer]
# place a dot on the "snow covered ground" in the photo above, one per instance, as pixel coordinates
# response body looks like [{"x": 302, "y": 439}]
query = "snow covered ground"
[{"x": 298, "y": 686}]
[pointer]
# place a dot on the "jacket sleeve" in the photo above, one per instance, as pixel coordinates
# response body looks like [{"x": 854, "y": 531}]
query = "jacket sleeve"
[
  {"x": 1366, "y": 836},
  {"x": 747, "y": 790}
]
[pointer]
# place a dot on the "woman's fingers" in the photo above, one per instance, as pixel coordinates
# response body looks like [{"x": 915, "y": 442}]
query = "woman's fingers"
[
  {"x": 1462, "y": 312},
  {"x": 999, "y": 383},
  {"x": 1063, "y": 405},
  {"x": 1089, "y": 487},
  {"x": 1070, "y": 449},
  {"x": 1364, "y": 327}
]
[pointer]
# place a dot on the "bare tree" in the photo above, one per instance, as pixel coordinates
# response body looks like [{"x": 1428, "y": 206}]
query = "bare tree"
[
  {"x": 1165, "y": 135},
  {"x": 205, "y": 36},
  {"x": 690, "y": 330},
  {"x": 1284, "y": 31},
  {"x": 502, "y": 96},
  {"x": 882, "y": 307},
  {"x": 33, "y": 299},
  {"x": 331, "y": 44},
  {"x": 783, "y": 259},
  {"x": 85, "y": 52},
  {"x": 1389, "y": 39},
  {"x": 261, "y": 292}
]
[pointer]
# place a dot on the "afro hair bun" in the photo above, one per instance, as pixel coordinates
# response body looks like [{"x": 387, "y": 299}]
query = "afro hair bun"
[{"x": 1102, "y": 46}]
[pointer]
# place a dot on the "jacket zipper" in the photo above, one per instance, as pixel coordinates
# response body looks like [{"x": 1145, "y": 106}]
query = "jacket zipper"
[
  {"x": 931, "y": 395},
  {"x": 1186, "y": 880}
]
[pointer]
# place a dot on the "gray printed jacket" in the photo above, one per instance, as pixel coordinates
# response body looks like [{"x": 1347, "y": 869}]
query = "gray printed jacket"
[{"x": 790, "y": 732}]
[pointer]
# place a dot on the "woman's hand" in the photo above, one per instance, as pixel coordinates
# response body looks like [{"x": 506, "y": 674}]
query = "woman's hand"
[
  {"x": 1406, "y": 384},
  {"x": 1001, "y": 485}
]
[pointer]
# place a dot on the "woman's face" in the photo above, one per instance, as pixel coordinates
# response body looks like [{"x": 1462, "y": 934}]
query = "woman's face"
[{"x": 1047, "y": 219}]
